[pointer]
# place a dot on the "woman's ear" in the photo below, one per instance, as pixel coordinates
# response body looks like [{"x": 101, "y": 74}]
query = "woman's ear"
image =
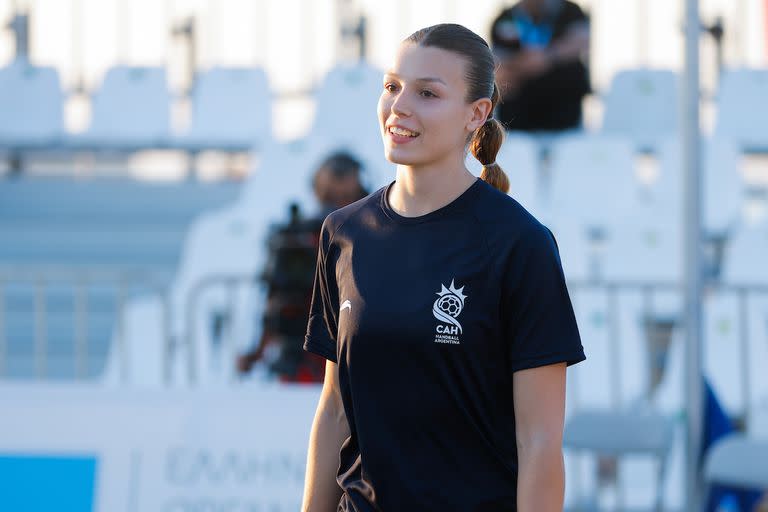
[{"x": 480, "y": 111}]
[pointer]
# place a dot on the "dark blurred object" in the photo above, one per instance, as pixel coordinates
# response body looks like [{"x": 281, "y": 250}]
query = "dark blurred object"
[
  {"x": 717, "y": 31},
  {"x": 187, "y": 31},
  {"x": 289, "y": 276},
  {"x": 658, "y": 336},
  {"x": 20, "y": 27},
  {"x": 542, "y": 48},
  {"x": 337, "y": 182}
]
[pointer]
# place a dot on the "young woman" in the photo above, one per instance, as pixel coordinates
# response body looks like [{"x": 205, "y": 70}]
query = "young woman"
[{"x": 441, "y": 306}]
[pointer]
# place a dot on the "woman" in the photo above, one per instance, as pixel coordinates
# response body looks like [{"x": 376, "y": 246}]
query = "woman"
[{"x": 441, "y": 307}]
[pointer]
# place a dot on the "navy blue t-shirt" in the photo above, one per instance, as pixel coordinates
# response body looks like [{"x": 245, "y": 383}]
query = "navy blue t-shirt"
[{"x": 427, "y": 318}]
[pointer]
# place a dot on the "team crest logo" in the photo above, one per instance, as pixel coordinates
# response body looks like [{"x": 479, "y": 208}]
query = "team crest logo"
[{"x": 448, "y": 307}]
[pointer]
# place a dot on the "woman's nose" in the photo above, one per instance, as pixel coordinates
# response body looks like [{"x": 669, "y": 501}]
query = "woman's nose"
[{"x": 400, "y": 105}]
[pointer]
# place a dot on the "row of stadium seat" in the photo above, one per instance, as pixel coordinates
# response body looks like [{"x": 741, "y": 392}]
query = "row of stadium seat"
[
  {"x": 231, "y": 108},
  {"x": 645, "y": 105},
  {"x": 610, "y": 223}
]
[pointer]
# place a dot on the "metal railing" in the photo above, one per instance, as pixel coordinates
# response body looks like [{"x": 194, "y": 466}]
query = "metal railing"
[
  {"x": 657, "y": 325},
  {"x": 78, "y": 281},
  {"x": 661, "y": 324},
  {"x": 229, "y": 282}
]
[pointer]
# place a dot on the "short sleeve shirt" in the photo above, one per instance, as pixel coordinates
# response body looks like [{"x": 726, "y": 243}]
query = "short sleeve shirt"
[{"x": 428, "y": 318}]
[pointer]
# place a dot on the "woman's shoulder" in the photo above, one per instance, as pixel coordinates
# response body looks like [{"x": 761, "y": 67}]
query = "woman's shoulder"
[
  {"x": 501, "y": 211},
  {"x": 508, "y": 227}
]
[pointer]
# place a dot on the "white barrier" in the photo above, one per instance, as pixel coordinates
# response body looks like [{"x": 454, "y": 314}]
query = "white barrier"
[{"x": 233, "y": 450}]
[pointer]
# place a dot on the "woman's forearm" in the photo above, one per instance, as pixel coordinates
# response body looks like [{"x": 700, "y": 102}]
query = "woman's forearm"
[
  {"x": 541, "y": 478},
  {"x": 330, "y": 429}
]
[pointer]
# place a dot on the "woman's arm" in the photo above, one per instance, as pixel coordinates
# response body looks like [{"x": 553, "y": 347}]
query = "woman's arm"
[
  {"x": 329, "y": 430},
  {"x": 539, "y": 395}
]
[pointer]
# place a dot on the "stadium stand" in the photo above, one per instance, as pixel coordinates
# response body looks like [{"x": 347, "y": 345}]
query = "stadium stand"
[
  {"x": 120, "y": 225},
  {"x": 227, "y": 242}
]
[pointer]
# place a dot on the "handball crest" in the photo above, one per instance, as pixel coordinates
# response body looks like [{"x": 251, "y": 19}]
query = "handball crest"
[{"x": 449, "y": 304}]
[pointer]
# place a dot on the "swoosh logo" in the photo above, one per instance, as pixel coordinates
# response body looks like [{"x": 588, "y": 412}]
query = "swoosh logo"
[{"x": 346, "y": 305}]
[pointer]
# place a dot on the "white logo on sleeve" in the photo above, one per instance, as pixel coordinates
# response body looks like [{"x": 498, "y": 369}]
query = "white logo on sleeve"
[
  {"x": 447, "y": 308},
  {"x": 345, "y": 305}
]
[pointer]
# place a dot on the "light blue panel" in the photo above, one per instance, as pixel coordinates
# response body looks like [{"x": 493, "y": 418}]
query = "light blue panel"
[{"x": 46, "y": 483}]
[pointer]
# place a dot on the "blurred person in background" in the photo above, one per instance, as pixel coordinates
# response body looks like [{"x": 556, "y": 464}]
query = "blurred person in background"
[
  {"x": 441, "y": 306},
  {"x": 541, "y": 47},
  {"x": 289, "y": 275},
  {"x": 763, "y": 505}
]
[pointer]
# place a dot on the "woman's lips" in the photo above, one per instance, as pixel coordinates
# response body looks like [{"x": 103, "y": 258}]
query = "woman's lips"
[{"x": 401, "y": 138}]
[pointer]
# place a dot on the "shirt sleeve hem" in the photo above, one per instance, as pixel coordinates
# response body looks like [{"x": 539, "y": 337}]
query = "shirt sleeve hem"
[
  {"x": 570, "y": 358},
  {"x": 321, "y": 349}
]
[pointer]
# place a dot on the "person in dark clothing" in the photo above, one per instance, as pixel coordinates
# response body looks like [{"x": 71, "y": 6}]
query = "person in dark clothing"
[
  {"x": 442, "y": 309},
  {"x": 289, "y": 274},
  {"x": 541, "y": 47}
]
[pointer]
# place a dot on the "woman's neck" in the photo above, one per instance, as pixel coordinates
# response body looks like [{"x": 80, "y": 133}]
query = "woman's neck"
[{"x": 420, "y": 190}]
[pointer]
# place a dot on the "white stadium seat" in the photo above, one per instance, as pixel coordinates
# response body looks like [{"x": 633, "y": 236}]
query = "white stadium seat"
[
  {"x": 131, "y": 108},
  {"x": 579, "y": 256},
  {"x": 722, "y": 184},
  {"x": 31, "y": 104},
  {"x": 518, "y": 157},
  {"x": 347, "y": 100},
  {"x": 643, "y": 105},
  {"x": 723, "y": 351},
  {"x": 742, "y": 107},
  {"x": 231, "y": 106},
  {"x": 592, "y": 179},
  {"x": 648, "y": 249},
  {"x": 746, "y": 255},
  {"x": 616, "y": 372}
]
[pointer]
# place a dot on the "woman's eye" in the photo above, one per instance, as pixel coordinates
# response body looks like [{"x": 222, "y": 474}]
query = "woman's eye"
[
  {"x": 428, "y": 94},
  {"x": 390, "y": 87}
]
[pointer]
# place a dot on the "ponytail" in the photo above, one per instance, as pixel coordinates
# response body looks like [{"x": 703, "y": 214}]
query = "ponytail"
[{"x": 485, "y": 145}]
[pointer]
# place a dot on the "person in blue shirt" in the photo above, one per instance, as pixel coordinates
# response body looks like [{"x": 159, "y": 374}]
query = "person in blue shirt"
[
  {"x": 542, "y": 48},
  {"x": 441, "y": 307}
]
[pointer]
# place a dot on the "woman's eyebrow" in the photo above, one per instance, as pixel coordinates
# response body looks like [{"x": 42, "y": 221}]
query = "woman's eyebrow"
[{"x": 424, "y": 79}]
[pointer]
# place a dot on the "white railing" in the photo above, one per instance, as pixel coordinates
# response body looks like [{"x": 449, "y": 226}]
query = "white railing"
[{"x": 78, "y": 280}]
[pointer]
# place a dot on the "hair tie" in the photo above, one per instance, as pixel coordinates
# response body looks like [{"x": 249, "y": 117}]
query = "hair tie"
[{"x": 490, "y": 164}]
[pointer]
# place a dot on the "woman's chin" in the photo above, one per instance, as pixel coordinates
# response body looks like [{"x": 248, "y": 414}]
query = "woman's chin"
[{"x": 401, "y": 157}]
